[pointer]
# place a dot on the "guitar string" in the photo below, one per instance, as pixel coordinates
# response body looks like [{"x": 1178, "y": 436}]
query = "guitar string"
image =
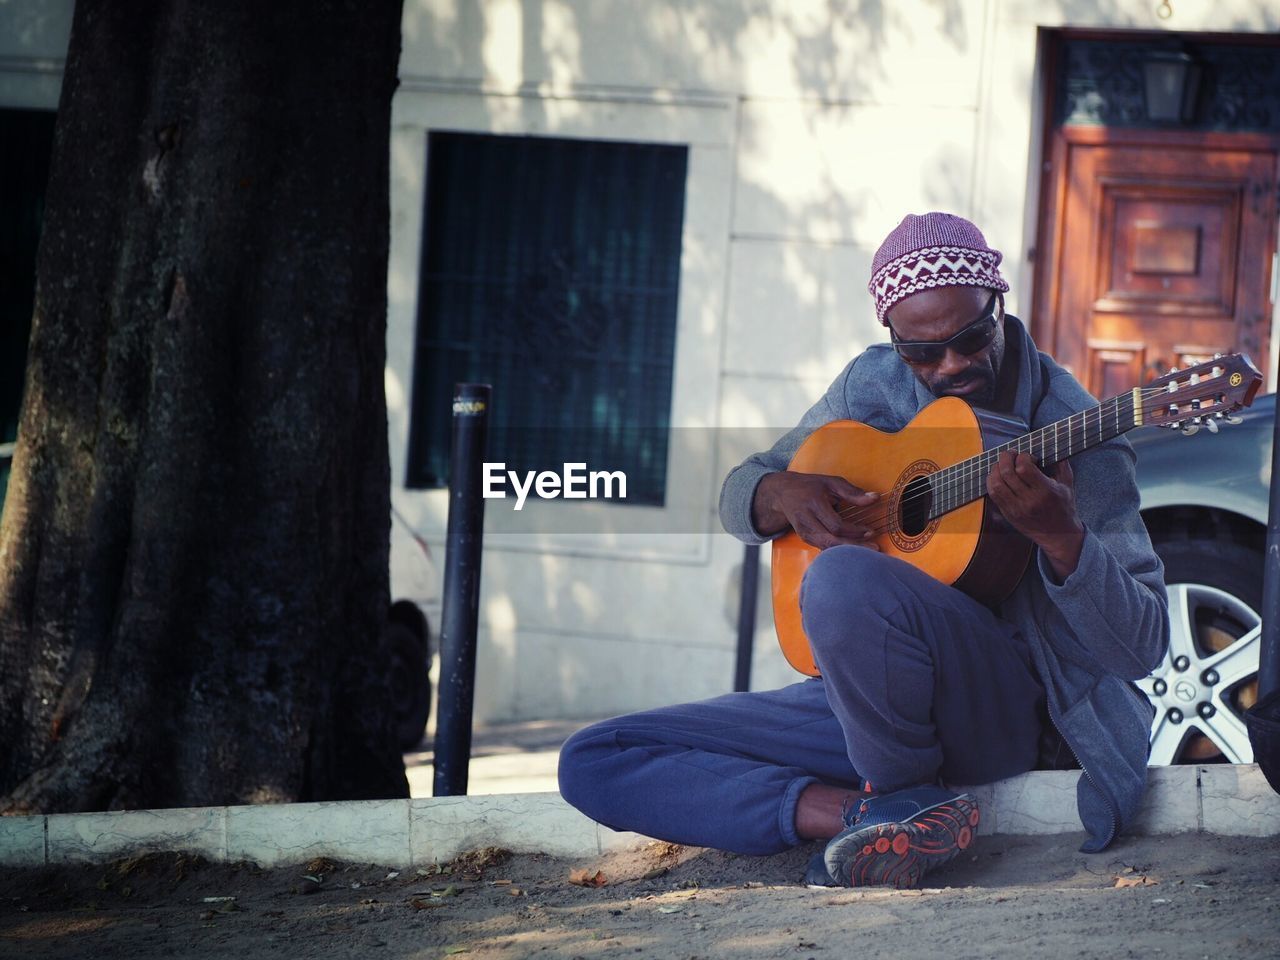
[
  {"x": 962, "y": 481},
  {"x": 875, "y": 514},
  {"x": 953, "y": 488}
]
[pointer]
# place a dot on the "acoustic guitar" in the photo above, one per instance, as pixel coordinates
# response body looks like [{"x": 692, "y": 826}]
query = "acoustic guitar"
[{"x": 932, "y": 480}]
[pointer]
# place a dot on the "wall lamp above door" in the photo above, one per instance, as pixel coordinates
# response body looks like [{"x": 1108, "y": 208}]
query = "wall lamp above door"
[{"x": 1172, "y": 85}]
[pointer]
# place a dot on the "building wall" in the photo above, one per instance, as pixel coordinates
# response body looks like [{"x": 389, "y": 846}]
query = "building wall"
[
  {"x": 33, "y": 50},
  {"x": 813, "y": 127}
]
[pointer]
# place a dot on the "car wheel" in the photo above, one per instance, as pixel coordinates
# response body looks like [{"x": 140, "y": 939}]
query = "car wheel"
[
  {"x": 409, "y": 639},
  {"x": 1209, "y": 676}
]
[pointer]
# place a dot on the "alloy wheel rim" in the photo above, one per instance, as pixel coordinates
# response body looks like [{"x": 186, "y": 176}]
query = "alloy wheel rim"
[{"x": 1194, "y": 688}]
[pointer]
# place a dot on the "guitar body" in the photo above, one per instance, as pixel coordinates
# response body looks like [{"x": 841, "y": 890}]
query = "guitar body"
[{"x": 972, "y": 547}]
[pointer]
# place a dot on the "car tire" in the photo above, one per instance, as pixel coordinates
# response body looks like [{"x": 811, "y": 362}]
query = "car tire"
[
  {"x": 410, "y": 645},
  {"x": 1208, "y": 678}
]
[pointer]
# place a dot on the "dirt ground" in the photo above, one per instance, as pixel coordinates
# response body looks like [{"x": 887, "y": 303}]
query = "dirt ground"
[{"x": 1183, "y": 896}]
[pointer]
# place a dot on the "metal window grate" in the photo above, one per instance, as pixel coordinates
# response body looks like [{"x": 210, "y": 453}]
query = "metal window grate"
[
  {"x": 551, "y": 269},
  {"x": 1101, "y": 83}
]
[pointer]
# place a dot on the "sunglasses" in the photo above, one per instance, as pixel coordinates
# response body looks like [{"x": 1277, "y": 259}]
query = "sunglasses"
[{"x": 973, "y": 338}]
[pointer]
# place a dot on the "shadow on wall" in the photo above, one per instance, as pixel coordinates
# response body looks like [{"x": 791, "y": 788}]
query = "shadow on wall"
[{"x": 844, "y": 109}]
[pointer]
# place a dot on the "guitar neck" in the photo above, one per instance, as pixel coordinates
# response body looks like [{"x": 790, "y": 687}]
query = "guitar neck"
[{"x": 966, "y": 481}]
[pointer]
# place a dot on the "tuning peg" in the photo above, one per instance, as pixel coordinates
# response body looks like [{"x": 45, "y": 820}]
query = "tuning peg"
[
  {"x": 1212, "y": 425},
  {"x": 1190, "y": 430},
  {"x": 1232, "y": 418}
]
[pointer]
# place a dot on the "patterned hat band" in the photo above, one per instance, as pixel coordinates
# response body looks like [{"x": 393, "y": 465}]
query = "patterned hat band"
[
  {"x": 934, "y": 267},
  {"x": 931, "y": 250}
]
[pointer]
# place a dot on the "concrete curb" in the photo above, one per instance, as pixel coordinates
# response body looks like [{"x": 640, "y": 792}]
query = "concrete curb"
[{"x": 1228, "y": 800}]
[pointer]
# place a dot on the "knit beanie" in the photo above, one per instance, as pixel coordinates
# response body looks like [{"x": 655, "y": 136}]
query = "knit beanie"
[{"x": 934, "y": 250}]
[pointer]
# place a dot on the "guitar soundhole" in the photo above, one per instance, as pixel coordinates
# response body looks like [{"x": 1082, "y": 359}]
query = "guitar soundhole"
[{"x": 917, "y": 499}]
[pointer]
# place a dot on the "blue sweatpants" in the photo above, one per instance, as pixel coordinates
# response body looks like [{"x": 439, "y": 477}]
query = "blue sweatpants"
[{"x": 919, "y": 684}]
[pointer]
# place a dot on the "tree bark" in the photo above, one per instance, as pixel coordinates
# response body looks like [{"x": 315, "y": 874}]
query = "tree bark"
[{"x": 194, "y": 547}]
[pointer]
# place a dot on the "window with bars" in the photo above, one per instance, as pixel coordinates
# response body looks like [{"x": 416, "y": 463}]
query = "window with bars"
[{"x": 550, "y": 269}]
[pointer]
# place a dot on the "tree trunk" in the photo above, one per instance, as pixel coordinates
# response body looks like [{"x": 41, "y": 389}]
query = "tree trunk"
[{"x": 194, "y": 547}]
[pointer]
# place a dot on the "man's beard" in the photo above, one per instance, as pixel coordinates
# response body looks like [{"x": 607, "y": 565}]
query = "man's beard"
[{"x": 983, "y": 396}]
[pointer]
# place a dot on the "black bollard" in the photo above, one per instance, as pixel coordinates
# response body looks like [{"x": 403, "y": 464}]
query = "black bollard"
[
  {"x": 1269, "y": 649},
  {"x": 747, "y": 616},
  {"x": 461, "y": 589},
  {"x": 1263, "y": 719}
]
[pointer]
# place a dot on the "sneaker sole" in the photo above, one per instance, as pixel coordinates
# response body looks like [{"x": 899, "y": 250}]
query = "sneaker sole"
[{"x": 900, "y": 854}]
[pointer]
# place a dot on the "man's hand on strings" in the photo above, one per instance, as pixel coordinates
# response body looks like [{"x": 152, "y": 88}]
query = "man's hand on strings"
[
  {"x": 1041, "y": 507},
  {"x": 824, "y": 511}
]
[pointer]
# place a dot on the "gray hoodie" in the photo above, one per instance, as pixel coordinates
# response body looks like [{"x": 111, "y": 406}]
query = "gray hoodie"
[{"x": 1106, "y": 625}]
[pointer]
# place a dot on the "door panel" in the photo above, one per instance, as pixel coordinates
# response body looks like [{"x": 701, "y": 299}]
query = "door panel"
[
  {"x": 1159, "y": 252},
  {"x": 1114, "y": 366},
  {"x": 1172, "y": 248}
]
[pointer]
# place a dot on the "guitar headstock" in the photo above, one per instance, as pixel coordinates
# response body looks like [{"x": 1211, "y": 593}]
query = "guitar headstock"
[{"x": 1204, "y": 393}]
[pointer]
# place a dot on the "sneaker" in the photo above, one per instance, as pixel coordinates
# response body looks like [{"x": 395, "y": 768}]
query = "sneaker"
[{"x": 894, "y": 839}]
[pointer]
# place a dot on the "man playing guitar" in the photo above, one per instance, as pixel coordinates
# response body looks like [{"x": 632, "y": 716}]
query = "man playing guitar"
[{"x": 921, "y": 685}]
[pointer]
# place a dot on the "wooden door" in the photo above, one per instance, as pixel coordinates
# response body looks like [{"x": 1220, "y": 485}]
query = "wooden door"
[{"x": 1159, "y": 252}]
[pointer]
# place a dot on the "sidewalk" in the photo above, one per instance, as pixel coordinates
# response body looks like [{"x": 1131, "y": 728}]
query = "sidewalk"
[
  {"x": 505, "y": 758},
  {"x": 512, "y": 803},
  {"x": 512, "y": 871}
]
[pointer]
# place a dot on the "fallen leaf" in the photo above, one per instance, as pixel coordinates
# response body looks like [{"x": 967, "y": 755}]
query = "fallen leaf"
[
  {"x": 477, "y": 861},
  {"x": 1142, "y": 881},
  {"x": 418, "y": 904},
  {"x": 516, "y": 892},
  {"x": 392, "y": 875},
  {"x": 670, "y": 908},
  {"x": 452, "y": 950},
  {"x": 449, "y": 891},
  {"x": 499, "y": 883},
  {"x": 585, "y": 878}
]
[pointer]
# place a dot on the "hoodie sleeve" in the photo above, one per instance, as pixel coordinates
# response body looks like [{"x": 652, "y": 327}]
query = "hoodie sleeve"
[
  {"x": 739, "y": 489},
  {"x": 1114, "y": 602}
]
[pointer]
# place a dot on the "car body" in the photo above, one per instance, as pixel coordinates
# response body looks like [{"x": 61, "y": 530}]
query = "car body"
[{"x": 1204, "y": 500}]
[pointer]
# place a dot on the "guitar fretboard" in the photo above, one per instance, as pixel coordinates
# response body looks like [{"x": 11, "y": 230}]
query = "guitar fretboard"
[{"x": 966, "y": 481}]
